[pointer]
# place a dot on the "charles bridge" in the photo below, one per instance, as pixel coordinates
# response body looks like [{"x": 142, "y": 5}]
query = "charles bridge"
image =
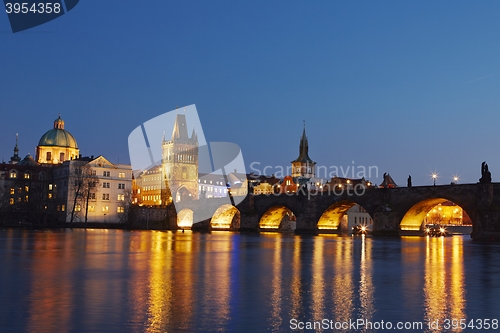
[{"x": 395, "y": 211}]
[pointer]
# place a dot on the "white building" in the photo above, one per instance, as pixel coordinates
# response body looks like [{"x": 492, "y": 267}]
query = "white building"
[{"x": 102, "y": 190}]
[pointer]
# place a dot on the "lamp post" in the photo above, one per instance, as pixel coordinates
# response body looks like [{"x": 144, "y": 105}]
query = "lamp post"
[
  {"x": 434, "y": 176},
  {"x": 455, "y": 179}
]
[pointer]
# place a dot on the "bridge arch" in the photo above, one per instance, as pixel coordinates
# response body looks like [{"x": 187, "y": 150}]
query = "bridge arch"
[
  {"x": 278, "y": 218},
  {"x": 414, "y": 217},
  {"x": 336, "y": 214},
  {"x": 226, "y": 217},
  {"x": 185, "y": 218}
]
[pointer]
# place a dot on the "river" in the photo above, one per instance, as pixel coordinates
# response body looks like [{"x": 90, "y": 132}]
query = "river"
[{"x": 94, "y": 280}]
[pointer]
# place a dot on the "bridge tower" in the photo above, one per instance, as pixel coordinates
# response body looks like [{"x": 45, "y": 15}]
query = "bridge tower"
[
  {"x": 180, "y": 163},
  {"x": 304, "y": 166}
]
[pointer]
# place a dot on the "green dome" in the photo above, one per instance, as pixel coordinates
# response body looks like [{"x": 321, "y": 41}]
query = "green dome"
[{"x": 58, "y": 136}]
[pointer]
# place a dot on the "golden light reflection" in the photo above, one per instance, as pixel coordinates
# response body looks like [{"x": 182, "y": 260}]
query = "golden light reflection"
[
  {"x": 160, "y": 282},
  {"x": 343, "y": 285},
  {"x": 318, "y": 280},
  {"x": 277, "y": 292},
  {"x": 366, "y": 288},
  {"x": 296, "y": 284},
  {"x": 444, "y": 283},
  {"x": 216, "y": 280}
]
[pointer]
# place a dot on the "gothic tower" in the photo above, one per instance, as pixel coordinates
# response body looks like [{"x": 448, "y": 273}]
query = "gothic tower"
[
  {"x": 180, "y": 163},
  {"x": 303, "y": 166}
]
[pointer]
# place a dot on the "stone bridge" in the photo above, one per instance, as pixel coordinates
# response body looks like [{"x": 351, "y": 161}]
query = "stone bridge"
[{"x": 394, "y": 211}]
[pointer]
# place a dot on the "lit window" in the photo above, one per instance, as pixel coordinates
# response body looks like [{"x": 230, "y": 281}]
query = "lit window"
[
  {"x": 13, "y": 174},
  {"x": 50, "y": 187},
  {"x": 63, "y": 208},
  {"x": 50, "y": 195},
  {"x": 121, "y": 174},
  {"x": 11, "y": 201},
  {"x": 78, "y": 208},
  {"x": 27, "y": 175},
  {"x": 121, "y": 197},
  {"x": 91, "y": 208},
  {"x": 12, "y": 190},
  {"x": 105, "y": 209},
  {"x": 26, "y": 188},
  {"x": 120, "y": 209}
]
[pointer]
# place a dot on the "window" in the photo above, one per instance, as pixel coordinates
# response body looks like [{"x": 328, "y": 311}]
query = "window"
[
  {"x": 91, "y": 209},
  {"x": 27, "y": 175},
  {"x": 105, "y": 185},
  {"x": 11, "y": 201},
  {"x": 121, "y": 197},
  {"x": 121, "y": 186},
  {"x": 120, "y": 209},
  {"x": 63, "y": 208},
  {"x": 121, "y": 174},
  {"x": 105, "y": 196},
  {"x": 92, "y": 196},
  {"x": 94, "y": 173},
  {"x": 106, "y": 173},
  {"x": 13, "y": 174},
  {"x": 78, "y": 208},
  {"x": 50, "y": 196},
  {"x": 26, "y": 188},
  {"x": 105, "y": 209},
  {"x": 12, "y": 190},
  {"x": 61, "y": 157},
  {"x": 48, "y": 156},
  {"x": 50, "y": 187},
  {"x": 41, "y": 176}
]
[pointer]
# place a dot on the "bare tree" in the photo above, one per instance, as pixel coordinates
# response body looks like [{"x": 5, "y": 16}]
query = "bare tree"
[{"x": 83, "y": 184}]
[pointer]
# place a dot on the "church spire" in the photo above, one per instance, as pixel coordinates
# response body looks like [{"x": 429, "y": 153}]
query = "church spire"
[
  {"x": 15, "y": 159},
  {"x": 304, "y": 148}
]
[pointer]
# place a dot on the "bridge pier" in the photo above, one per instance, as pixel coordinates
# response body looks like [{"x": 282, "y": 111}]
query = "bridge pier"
[{"x": 386, "y": 223}]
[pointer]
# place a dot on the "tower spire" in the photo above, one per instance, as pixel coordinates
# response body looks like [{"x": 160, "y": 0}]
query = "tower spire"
[{"x": 15, "y": 159}]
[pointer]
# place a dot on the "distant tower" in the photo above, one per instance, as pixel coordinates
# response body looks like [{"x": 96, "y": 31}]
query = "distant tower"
[
  {"x": 15, "y": 159},
  {"x": 180, "y": 163},
  {"x": 304, "y": 166}
]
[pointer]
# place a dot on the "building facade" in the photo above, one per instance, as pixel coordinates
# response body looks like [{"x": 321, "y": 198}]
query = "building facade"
[
  {"x": 180, "y": 163},
  {"x": 93, "y": 190}
]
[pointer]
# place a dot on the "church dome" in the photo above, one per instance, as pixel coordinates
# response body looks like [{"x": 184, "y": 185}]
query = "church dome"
[{"x": 58, "y": 136}]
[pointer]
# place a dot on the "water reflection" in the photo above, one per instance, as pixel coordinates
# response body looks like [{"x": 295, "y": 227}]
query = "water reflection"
[
  {"x": 444, "y": 282},
  {"x": 119, "y": 281}
]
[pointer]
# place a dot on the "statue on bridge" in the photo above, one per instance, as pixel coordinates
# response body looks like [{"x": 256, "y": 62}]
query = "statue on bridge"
[
  {"x": 409, "y": 180},
  {"x": 485, "y": 174}
]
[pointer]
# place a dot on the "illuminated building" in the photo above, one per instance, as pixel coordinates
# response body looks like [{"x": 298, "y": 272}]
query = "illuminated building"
[
  {"x": 102, "y": 190},
  {"x": 57, "y": 145},
  {"x": 180, "y": 162}
]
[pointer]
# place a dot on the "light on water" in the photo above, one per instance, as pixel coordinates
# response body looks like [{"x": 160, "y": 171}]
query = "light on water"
[{"x": 136, "y": 281}]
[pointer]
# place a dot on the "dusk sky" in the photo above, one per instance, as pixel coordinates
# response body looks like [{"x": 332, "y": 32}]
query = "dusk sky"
[{"x": 412, "y": 87}]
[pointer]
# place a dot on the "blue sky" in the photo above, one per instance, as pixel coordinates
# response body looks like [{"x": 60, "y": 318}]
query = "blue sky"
[{"x": 410, "y": 87}]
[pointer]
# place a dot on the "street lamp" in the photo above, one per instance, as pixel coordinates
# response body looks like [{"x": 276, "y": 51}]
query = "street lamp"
[
  {"x": 434, "y": 176},
  {"x": 455, "y": 179}
]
